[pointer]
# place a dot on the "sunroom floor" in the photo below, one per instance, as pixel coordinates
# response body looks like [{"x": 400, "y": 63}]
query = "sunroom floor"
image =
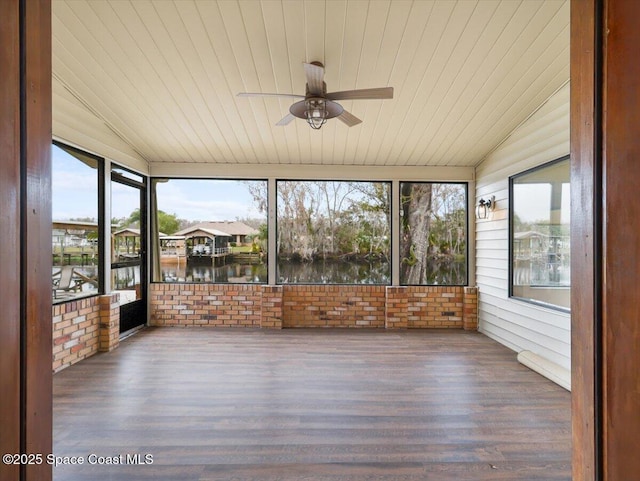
[{"x": 310, "y": 404}]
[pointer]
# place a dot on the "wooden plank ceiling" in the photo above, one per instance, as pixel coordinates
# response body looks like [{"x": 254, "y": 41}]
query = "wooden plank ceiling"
[{"x": 157, "y": 80}]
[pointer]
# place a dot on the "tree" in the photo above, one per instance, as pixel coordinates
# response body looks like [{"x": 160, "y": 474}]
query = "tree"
[
  {"x": 334, "y": 195},
  {"x": 374, "y": 217},
  {"x": 297, "y": 209},
  {"x": 448, "y": 221},
  {"x": 168, "y": 223},
  {"x": 416, "y": 226},
  {"x": 132, "y": 221},
  {"x": 259, "y": 192}
]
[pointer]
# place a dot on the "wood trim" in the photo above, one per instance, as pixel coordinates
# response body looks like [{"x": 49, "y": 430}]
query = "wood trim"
[
  {"x": 583, "y": 208},
  {"x": 10, "y": 245},
  {"x": 36, "y": 241},
  {"x": 605, "y": 149},
  {"x": 621, "y": 238}
]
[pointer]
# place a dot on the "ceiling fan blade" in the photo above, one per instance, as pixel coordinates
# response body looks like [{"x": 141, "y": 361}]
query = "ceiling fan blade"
[
  {"x": 315, "y": 77},
  {"x": 362, "y": 94},
  {"x": 258, "y": 94},
  {"x": 286, "y": 120},
  {"x": 349, "y": 119}
]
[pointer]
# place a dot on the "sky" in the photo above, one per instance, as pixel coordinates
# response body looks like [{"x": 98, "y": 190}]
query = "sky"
[
  {"x": 206, "y": 199},
  {"x": 75, "y": 187},
  {"x": 533, "y": 201}
]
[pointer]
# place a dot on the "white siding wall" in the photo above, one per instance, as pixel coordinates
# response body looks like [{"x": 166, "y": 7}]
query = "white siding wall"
[{"x": 517, "y": 324}]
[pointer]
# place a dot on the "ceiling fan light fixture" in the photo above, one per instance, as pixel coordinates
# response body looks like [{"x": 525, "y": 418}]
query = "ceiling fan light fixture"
[
  {"x": 316, "y": 122},
  {"x": 316, "y": 113}
]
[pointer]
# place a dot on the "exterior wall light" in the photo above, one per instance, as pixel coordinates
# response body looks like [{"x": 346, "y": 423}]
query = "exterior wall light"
[{"x": 485, "y": 206}]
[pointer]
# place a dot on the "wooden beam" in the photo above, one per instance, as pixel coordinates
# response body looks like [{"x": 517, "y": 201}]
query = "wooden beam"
[
  {"x": 25, "y": 197},
  {"x": 621, "y": 238},
  {"x": 10, "y": 245},
  {"x": 605, "y": 151},
  {"x": 36, "y": 235},
  {"x": 584, "y": 171}
]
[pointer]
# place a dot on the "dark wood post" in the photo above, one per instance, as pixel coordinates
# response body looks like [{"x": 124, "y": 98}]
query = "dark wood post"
[
  {"x": 605, "y": 151},
  {"x": 621, "y": 240},
  {"x": 25, "y": 252},
  {"x": 10, "y": 245},
  {"x": 585, "y": 167}
]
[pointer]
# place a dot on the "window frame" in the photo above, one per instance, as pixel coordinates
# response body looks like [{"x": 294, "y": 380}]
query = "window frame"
[
  {"x": 395, "y": 227},
  {"x": 512, "y": 178}
]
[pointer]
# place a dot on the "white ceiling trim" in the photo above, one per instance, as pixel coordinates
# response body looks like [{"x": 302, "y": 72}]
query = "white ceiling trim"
[{"x": 334, "y": 172}]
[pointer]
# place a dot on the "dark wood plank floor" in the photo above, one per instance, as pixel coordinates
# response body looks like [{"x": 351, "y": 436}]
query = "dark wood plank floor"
[{"x": 311, "y": 405}]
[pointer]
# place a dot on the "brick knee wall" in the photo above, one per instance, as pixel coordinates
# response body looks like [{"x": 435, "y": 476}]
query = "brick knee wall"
[
  {"x": 271, "y": 304},
  {"x": 396, "y": 305},
  {"x": 75, "y": 331},
  {"x": 434, "y": 307},
  {"x": 109, "y": 322},
  {"x": 220, "y": 305},
  {"x": 255, "y": 305},
  {"x": 470, "y": 312},
  {"x": 333, "y": 306},
  {"x": 84, "y": 327}
]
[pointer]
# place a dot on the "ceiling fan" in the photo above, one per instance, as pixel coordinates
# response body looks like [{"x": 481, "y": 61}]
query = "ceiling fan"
[{"x": 318, "y": 105}]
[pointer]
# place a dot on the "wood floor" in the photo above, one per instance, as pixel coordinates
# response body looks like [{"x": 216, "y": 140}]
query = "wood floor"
[{"x": 212, "y": 404}]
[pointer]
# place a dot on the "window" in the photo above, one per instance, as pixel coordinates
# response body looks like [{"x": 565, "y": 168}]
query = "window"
[
  {"x": 433, "y": 238},
  {"x": 333, "y": 232},
  {"x": 540, "y": 246},
  {"x": 75, "y": 245},
  {"x": 209, "y": 230}
]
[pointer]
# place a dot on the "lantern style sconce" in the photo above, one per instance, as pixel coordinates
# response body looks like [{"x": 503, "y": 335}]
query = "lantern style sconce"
[{"x": 485, "y": 206}]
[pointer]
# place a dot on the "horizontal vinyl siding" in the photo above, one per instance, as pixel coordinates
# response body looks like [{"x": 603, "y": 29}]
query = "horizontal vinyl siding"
[{"x": 516, "y": 324}]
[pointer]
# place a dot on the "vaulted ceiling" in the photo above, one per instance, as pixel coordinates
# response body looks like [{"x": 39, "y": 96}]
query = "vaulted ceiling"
[{"x": 155, "y": 82}]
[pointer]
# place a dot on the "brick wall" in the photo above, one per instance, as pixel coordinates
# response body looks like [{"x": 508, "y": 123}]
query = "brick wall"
[
  {"x": 434, "y": 307},
  {"x": 396, "y": 307},
  {"x": 271, "y": 314},
  {"x": 252, "y": 305},
  {"x": 75, "y": 331},
  {"x": 333, "y": 306},
  {"x": 109, "y": 322},
  {"x": 220, "y": 305},
  {"x": 470, "y": 312},
  {"x": 82, "y": 328}
]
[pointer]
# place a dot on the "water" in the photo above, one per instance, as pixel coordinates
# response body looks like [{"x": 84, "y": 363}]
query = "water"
[
  {"x": 318, "y": 272},
  {"x": 334, "y": 272},
  {"x": 446, "y": 273},
  {"x": 230, "y": 273}
]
